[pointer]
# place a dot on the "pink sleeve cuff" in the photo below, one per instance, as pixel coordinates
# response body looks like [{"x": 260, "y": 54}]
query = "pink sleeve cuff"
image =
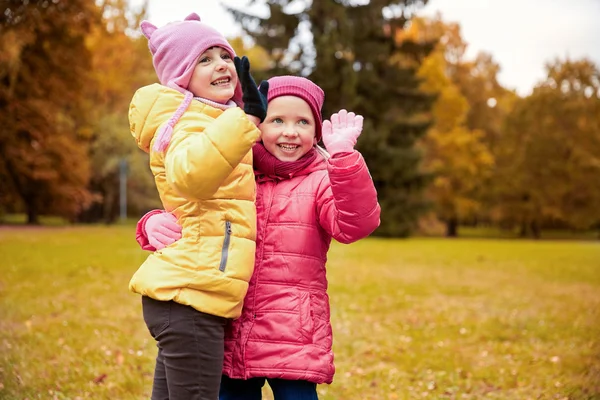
[
  {"x": 343, "y": 160},
  {"x": 140, "y": 231}
]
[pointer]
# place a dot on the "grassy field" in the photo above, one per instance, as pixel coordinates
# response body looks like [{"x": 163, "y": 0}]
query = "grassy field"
[{"x": 412, "y": 319}]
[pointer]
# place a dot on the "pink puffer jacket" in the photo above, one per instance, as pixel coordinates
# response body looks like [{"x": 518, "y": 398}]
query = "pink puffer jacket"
[{"x": 285, "y": 330}]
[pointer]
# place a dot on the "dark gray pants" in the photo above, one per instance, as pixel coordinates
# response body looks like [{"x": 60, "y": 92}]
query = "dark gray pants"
[{"x": 190, "y": 350}]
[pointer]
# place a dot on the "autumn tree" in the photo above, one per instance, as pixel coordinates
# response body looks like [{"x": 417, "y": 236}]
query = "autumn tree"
[
  {"x": 454, "y": 154},
  {"x": 120, "y": 64},
  {"x": 489, "y": 105},
  {"x": 549, "y": 157},
  {"x": 353, "y": 56},
  {"x": 44, "y": 66}
]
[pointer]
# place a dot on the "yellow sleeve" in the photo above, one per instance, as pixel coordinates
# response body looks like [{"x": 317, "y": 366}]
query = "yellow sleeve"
[{"x": 197, "y": 163}]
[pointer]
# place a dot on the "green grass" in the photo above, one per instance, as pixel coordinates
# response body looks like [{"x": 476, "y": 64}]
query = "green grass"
[
  {"x": 21, "y": 219},
  {"x": 492, "y": 232},
  {"x": 412, "y": 319},
  {"x": 55, "y": 221}
]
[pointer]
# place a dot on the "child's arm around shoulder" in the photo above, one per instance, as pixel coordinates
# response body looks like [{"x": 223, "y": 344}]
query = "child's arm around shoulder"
[
  {"x": 347, "y": 199},
  {"x": 197, "y": 163}
]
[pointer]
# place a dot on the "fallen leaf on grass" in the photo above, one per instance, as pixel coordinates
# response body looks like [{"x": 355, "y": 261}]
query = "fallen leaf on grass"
[{"x": 120, "y": 358}]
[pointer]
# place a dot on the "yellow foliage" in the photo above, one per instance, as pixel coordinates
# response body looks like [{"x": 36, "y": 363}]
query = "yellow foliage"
[{"x": 454, "y": 154}]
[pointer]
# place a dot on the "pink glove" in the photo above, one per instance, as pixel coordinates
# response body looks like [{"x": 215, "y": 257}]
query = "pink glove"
[
  {"x": 162, "y": 230},
  {"x": 340, "y": 135}
]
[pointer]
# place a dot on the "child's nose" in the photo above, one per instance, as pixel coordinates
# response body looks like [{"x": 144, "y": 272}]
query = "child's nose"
[
  {"x": 221, "y": 64},
  {"x": 290, "y": 130}
]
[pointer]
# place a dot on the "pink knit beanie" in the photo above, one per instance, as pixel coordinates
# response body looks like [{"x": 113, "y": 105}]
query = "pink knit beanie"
[
  {"x": 303, "y": 88},
  {"x": 175, "y": 49}
]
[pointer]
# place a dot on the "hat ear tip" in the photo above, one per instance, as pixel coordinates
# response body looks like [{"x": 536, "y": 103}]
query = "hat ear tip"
[
  {"x": 192, "y": 17},
  {"x": 147, "y": 28}
]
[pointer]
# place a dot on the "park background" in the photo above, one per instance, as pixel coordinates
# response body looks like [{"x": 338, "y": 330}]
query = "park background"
[{"x": 482, "y": 281}]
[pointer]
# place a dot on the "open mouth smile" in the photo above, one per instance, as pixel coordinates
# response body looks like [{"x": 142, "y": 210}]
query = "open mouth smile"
[
  {"x": 221, "y": 82},
  {"x": 288, "y": 147}
]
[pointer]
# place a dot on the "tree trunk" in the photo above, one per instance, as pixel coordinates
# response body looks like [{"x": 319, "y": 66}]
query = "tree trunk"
[
  {"x": 32, "y": 213},
  {"x": 108, "y": 204},
  {"x": 523, "y": 229},
  {"x": 452, "y": 227},
  {"x": 535, "y": 229}
]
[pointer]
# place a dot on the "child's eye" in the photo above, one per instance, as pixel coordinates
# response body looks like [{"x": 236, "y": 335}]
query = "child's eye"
[
  {"x": 277, "y": 120},
  {"x": 203, "y": 60},
  {"x": 303, "y": 122},
  {"x": 226, "y": 56}
]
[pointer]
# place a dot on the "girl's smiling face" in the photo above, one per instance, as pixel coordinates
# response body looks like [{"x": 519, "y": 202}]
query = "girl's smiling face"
[
  {"x": 288, "y": 131},
  {"x": 214, "y": 77}
]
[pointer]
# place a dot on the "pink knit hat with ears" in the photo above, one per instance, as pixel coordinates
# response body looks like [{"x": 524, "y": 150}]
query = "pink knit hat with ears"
[
  {"x": 175, "y": 49},
  {"x": 303, "y": 88}
]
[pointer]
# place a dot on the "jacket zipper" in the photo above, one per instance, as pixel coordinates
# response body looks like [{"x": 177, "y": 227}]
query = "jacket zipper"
[{"x": 225, "y": 250}]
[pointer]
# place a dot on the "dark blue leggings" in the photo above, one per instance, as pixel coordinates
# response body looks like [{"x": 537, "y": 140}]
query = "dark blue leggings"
[{"x": 251, "y": 389}]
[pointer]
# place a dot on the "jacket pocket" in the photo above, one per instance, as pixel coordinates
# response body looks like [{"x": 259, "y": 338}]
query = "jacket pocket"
[
  {"x": 306, "y": 318},
  {"x": 225, "y": 249}
]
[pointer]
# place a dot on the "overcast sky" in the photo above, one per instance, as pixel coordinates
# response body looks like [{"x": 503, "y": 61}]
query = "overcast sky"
[{"x": 521, "y": 35}]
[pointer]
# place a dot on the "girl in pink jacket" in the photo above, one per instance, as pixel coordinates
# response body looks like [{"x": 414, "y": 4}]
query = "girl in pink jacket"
[{"x": 305, "y": 197}]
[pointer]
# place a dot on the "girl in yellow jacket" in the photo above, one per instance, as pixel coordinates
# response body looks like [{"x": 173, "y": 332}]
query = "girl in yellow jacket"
[{"x": 199, "y": 142}]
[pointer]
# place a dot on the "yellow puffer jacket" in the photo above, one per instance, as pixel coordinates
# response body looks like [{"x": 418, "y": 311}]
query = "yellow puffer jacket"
[{"x": 205, "y": 178}]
